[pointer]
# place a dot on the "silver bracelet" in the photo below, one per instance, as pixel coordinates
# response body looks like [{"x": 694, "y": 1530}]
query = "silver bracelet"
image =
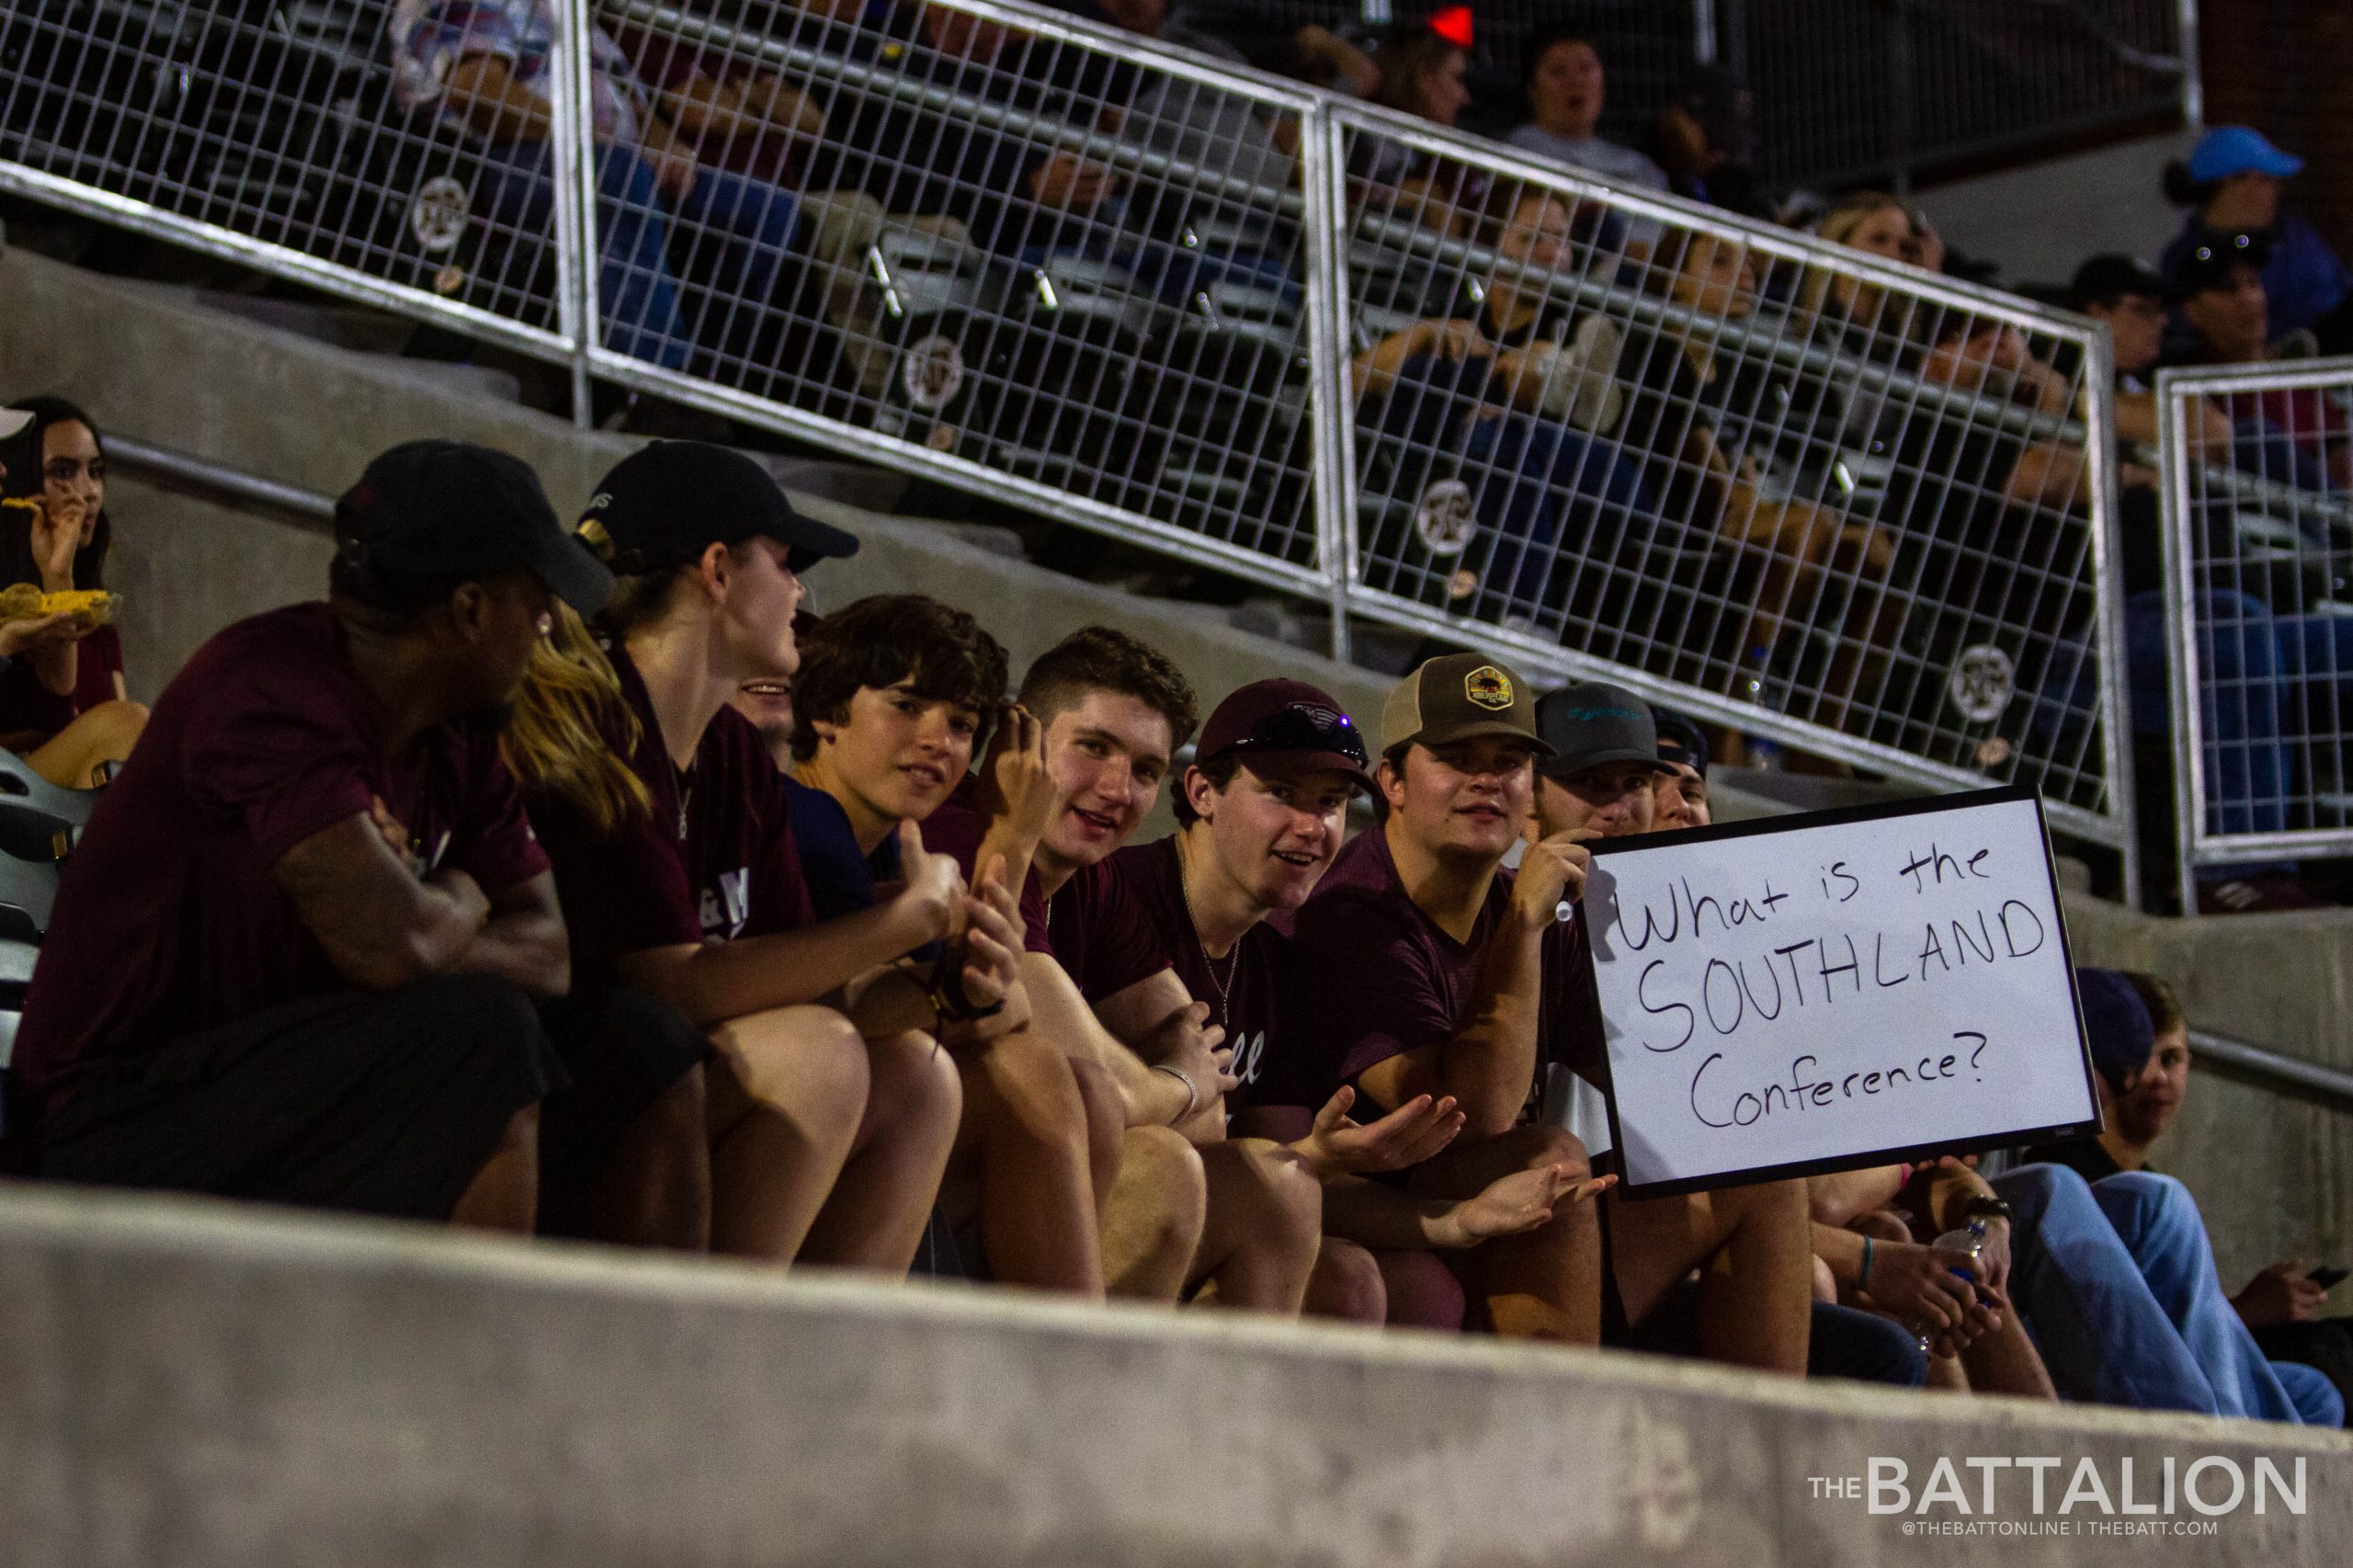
[{"x": 1192, "y": 1095}]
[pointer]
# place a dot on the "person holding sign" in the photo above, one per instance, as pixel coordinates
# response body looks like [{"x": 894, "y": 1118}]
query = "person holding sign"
[
  {"x": 1755, "y": 1301},
  {"x": 1419, "y": 975}
]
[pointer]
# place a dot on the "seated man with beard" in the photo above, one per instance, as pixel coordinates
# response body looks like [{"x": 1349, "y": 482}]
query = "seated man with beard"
[{"x": 298, "y": 955}]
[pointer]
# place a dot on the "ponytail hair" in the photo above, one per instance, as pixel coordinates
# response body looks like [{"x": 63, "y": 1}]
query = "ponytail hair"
[
  {"x": 2183, "y": 191},
  {"x": 555, "y": 739}
]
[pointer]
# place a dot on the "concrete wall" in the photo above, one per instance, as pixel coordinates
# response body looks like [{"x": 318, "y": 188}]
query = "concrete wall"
[
  {"x": 2039, "y": 223},
  {"x": 202, "y": 1387},
  {"x": 2276, "y": 1176}
]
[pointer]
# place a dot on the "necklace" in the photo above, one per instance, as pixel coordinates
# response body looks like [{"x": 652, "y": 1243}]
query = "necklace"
[
  {"x": 1233, "y": 959},
  {"x": 686, "y": 796}
]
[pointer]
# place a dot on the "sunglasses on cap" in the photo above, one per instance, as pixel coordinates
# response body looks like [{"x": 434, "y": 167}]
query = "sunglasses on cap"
[{"x": 1301, "y": 728}]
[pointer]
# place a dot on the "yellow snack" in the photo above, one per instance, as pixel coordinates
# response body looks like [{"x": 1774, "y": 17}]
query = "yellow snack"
[
  {"x": 95, "y": 606},
  {"x": 22, "y": 503},
  {"x": 23, "y": 601}
]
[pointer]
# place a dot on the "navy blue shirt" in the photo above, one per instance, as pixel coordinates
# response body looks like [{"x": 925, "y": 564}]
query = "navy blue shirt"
[{"x": 841, "y": 877}]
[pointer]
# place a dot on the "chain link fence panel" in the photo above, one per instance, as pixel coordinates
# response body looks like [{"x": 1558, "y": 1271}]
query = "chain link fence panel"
[
  {"x": 1833, "y": 501},
  {"x": 2243, "y": 661},
  {"x": 322, "y": 137},
  {"x": 1830, "y": 500}
]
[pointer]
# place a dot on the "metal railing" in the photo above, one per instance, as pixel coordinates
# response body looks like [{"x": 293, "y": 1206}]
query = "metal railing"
[
  {"x": 1833, "y": 502},
  {"x": 2275, "y": 1071},
  {"x": 2256, "y": 612}
]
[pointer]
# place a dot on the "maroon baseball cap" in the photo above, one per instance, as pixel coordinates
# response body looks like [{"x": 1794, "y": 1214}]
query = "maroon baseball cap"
[{"x": 1279, "y": 729}]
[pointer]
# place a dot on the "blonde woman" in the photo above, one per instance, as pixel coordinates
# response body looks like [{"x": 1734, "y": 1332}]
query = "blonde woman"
[{"x": 1882, "y": 225}]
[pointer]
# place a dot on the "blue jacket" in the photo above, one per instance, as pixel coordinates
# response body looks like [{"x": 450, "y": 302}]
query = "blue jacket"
[{"x": 2304, "y": 277}]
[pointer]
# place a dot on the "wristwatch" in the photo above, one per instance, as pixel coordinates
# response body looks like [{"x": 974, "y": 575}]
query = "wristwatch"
[
  {"x": 1987, "y": 1206},
  {"x": 946, "y": 992}
]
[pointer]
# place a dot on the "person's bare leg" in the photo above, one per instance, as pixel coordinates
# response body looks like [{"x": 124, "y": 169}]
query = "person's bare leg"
[
  {"x": 1023, "y": 1142},
  {"x": 787, "y": 1091},
  {"x": 654, "y": 1191},
  {"x": 1946, "y": 1375},
  {"x": 1545, "y": 1284},
  {"x": 1753, "y": 1246},
  {"x": 505, "y": 1194},
  {"x": 1262, "y": 1227},
  {"x": 1107, "y": 1126},
  {"x": 1347, "y": 1285},
  {"x": 1757, "y": 1295},
  {"x": 875, "y": 1218},
  {"x": 2005, "y": 1361},
  {"x": 1423, "y": 1291},
  {"x": 71, "y": 758},
  {"x": 1152, "y": 1226}
]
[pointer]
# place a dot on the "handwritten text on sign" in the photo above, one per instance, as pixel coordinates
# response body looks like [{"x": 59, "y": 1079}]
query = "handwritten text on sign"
[{"x": 1819, "y": 993}]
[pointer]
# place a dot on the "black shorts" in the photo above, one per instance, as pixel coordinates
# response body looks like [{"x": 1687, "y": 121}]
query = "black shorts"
[
  {"x": 371, "y": 1102},
  {"x": 622, "y": 1051}
]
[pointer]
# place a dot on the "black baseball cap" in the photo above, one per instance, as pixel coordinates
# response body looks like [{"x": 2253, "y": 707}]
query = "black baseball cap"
[
  {"x": 1681, "y": 740},
  {"x": 2215, "y": 257},
  {"x": 2105, "y": 278},
  {"x": 1455, "y": 697},
  {"x": 664, "y": 504},
  {"x": 1593, "y": 723},
  {"x": 453, "y": 509}
]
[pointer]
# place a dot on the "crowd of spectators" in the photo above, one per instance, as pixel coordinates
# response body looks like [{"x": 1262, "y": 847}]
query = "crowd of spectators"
[
  {"x": 581, "y": 882},
  {"x": 1822, "y": 488},
  {"x": 1758, "y": 469}
]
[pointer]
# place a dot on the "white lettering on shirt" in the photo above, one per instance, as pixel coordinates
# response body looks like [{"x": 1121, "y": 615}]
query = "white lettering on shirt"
[{"x": 726, "y": 907}]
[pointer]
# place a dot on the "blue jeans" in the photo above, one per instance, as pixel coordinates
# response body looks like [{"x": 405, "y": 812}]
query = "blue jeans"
[
  {"x": 2117, "y": 1286},
  {"x": 2267, "y": 683},
  {"x": 2315, "y": 1398},
  {"x": 738, "y": 231}
]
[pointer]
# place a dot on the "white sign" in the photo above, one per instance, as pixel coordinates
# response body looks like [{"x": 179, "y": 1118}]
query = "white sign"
[{"x": 1832, "y": 991}]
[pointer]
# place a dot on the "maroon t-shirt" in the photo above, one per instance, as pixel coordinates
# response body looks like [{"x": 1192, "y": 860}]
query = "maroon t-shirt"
[
  {"x": 168, "y": 920},
  {"x": 1101, "y": 937},
  {"x": 957, "y": 829},
  {"x": 713, "y": 860},
  {"x": 1245, "y": 990},
  {"x": 1566, "y": 1033},
  {"x": 1375, "y": 977}
]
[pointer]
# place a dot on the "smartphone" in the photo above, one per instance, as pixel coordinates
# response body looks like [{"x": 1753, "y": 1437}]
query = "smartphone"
[{"x": 2328, "y": 1275}]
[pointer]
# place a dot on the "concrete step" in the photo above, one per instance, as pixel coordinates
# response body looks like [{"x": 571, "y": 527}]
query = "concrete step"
[{"x": 197, "y": 1385}]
